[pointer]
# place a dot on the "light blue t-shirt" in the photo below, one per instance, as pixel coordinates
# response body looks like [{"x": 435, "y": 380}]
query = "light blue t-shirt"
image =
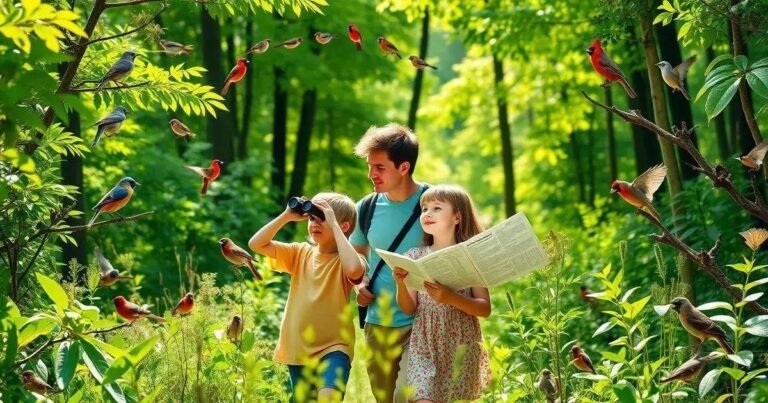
[{"x": 388, "y": 219}]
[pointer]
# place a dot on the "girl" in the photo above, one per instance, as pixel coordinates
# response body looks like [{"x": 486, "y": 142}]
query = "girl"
[{"x": 446, "y": 330}]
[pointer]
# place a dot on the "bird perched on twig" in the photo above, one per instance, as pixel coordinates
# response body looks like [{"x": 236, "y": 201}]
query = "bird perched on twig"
[
  {"x": 130, "y": 311},
  {"x": 690, "y": 369},
  {"x": 604, "y": 66},
  {"x": 640, "y": 192},
  {"x": 108, "y": 275},
  {"x": 581, "y": 360},
  {"x": 238, "y": 256},
  {"x": 109, "y": 125},
  {"x": 185, "y": 305},
  {"x": 235, "y": 329},
  {"x": 115, "y": 199},
  {"x": 175, "y": 48},
  {"x": 260, "y": 47},
  {"x": 208, "y": 174},
  {"x": 34, "y": 383},
  {"x": 699, "y": 325},
  {"x": 754, "y": 159},
  {"x": 324, "y": 38},
  {"x": 420, "y": 63},
  {"x": 119, "y": 71},
  {"x": 181, "y": 130},
  {"x": 388, "y": 47},
  {"x": 547, "y": 385},
  {"x": 675, "y": 77}
]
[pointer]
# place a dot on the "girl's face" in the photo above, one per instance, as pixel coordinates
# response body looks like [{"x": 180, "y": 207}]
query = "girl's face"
[{"x": 438, "y": 217}]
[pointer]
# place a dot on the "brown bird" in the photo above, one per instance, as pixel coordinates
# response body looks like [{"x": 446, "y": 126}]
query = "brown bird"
[
  {"x": 584, "y": 294},
  {"x": 34, "y": 383},
  {"x": 260, "y": 47},
  {"x": 581, "y": 360},
  {"x": 181, "y": 130},
  {"x": 238, "y": 256},
  {"x": 324, "y": 38},
  {"x": 754, "y": 159},
  {"x": 185, "y": 305},
  {"x": 640, "y": 192},
  {"x": 107, "y": 274},
  {"x": 547, "y": 385},
  {"x": 175, "y": 48},
  {"x": 690, "y": 369},
  {"x": 208, "y": 174},
  {"x": 675, "y": 77},
  {"x": 292, "y": 43},
  {"x": 420, "y": 63},
  {"x": 700, "y": 325},
  {"x": 388, "y": 47},
  {"x": 235, "y": 329}
]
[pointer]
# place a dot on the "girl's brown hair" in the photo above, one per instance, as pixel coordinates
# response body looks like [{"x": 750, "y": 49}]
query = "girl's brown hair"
[{"x": 461, "y": 202}]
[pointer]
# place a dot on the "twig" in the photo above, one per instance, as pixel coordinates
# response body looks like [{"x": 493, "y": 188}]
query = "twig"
[
  {"x": 132, "y": 31},
  {"x": 100, "y": 223},
  {"x": 130, "y": 3},
  {"x": 53, "y": 341},
  {"x": 720, "y": 176},
  {"x": 117, "y": 87},
  {"x": 80, "y": 84}
]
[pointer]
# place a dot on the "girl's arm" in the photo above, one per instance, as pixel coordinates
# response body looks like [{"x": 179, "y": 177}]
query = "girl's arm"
[
  {"x": 479, "y": 304},
  {"x": 406, "y": 298}
]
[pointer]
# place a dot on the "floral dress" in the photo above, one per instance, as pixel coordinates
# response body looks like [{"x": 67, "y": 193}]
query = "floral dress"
[{"x": 447, "y": 360}]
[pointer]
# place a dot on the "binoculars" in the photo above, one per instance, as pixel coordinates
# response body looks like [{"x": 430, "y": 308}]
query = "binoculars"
[{"x": 304, "y": 206}]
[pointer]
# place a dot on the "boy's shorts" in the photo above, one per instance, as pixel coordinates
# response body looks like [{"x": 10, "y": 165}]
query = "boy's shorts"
[{"x": 333, "y": 372}]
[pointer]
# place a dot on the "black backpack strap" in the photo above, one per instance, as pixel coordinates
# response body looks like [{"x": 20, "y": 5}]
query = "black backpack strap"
[{"x": 367, "y": 206}]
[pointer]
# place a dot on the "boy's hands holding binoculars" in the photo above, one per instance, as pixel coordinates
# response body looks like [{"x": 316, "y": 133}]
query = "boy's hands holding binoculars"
[
  {"x": 292, "y": 213},
  {"x": 330, "y": 217}
]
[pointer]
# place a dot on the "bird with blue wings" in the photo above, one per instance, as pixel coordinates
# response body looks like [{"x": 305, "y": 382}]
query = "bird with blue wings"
[
  {"x": 115, "y": 199},
  {"x": 120, "y": 70},
  {"x": 110, "y": 124}
]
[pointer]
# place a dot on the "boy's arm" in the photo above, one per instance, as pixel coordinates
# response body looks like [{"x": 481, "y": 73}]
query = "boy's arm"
[
  {"x": 352, "y": 263},
  {"x": 261, "y": 242}
]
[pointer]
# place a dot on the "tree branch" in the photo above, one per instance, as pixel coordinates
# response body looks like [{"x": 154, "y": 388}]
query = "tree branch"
[
  {"x": 117, "y": 87},
  {"x": 719, "y": 175},
  {"x": 131, "y": 31},
  {"x": 53, "y": 341},
  {"x": 99, "y": 223},
  {"x": 130, "y": 3}
]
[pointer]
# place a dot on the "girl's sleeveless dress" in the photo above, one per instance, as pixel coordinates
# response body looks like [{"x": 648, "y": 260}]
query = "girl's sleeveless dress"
[{"x": 447, "y": 360}]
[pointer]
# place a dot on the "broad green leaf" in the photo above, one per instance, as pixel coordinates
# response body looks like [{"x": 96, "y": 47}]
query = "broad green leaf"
[
  {"x": 715, "y": 62},
  {"x": 54, "y": 291},
  {"x": 756, "y": 283},
  {"x": 10, "y": 346},
  {"x": 96, "y": 361},
  {"x": 743, "y": 358},
  {"x": 715, "y": 305},
  {"x": 758, "y": 329},
  {"x": 720, "y": 96},
  {"x": 66, "y": 361},
  {"x": 643, "y": 342},
  {"x": 115, "y": 392},
  {"x": 625, "y": 392},
  {"x": 752, "y": 374},
  {"x": 708, "y": 382},
  {"x": 37, "y": 326},
  {"x": 124, "y": 363},
  {"x": 684, "y": 29},
  {"x": 740, "y": 61},
  {"x": 628, "y": 294},
  {"x": 760, "y": 63},
  {"x": 604, "y": 328},
  {"x": 591, "y": 377},
  {"x": 661, "y": 17},
  {"x": 723, "y": 398},
  {"x": 755, "y": 320},
  {"x": 714, "y": 80},
  {"x": 756, "y": 84},
  {"x": 735, "y": 373}
]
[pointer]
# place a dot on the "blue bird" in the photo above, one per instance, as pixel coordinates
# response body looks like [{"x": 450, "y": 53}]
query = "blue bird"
[
  {"x": 118, "y": 197},
  {"x": 110, "y": 124}
]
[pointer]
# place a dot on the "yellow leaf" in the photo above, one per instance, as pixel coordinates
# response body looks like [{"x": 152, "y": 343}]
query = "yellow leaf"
[
  {"x": 30, "y": 5},
  {"x": 70, "y": 26}
]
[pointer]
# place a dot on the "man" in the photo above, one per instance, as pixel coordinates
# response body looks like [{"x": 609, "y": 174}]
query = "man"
[{"x": 390, "y": 152}]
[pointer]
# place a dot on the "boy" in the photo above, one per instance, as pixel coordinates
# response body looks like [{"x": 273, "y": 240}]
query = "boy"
[{"x": 322, "y": 277}]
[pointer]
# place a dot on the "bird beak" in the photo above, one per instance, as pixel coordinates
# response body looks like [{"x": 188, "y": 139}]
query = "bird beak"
[
  {"x": 613, "y": 190},
  {"x": 658, "y": 64},
  {"x": 138, "y": 184}
]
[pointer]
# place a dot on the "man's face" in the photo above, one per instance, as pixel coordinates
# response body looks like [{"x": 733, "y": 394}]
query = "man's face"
[{"x": 383, "y": 173}]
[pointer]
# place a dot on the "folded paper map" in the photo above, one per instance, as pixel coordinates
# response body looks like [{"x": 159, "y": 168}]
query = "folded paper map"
[{"x": 489, "y": 259}]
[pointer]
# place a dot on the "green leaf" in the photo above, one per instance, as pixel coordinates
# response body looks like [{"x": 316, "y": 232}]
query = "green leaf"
[
  {"x": 756, "y": 283},
  {"x": 667, "y": 6},
  {"x": 743, "y": 358},
  {"x": 740, "y": 61},
  {"x": 625, "y": 392},
  {"x": 126, "y": 362},
  {"x": 66, "y": 361},
  {"x": 35, "y": 327},
  {"x": 661, "y": 17},
  {"x": 753, "y": 297},
  {"x": 708, "y": 382},
  {"x": 715, "y": 305},
  {"x": 756, "y": 319},
  {"x": 10, "y": 347},
  {"x": 715, "y": 62},
  {"x": 684, "y": 29},
  {"x": 760, "y": 63},
  {"x": 723, "y": 398},
  {"x": 604, "y": 328},
  {"x": 115, "y": 392},
  {"x": 761, "y": 75},
  {"x": 54, "y": 291},
  {"x": 591, "y": 377},
  {"x": 720, "y": 96},
  {"x": 752, "y": 374},
  {"x": 757, "y": 85},
  {"x": 759, "y": 329},
  {"x": 735, "y": 373},
  {"x": 96, "y": 361},
  {"x": 643, "y": 342},
  {"x": 661, "y": 310}
]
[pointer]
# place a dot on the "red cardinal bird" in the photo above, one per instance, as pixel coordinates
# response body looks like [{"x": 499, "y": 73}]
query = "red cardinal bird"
[
  {"x": 238, "y": 256},
  {"x": 584, "y": 294},
  {"x": 640, "y": 192},
  {"x": 185, "y": 305},
  {"x": 607, "y": 68},
  {"x": 355, "y": 36},
  {"x": 581, "y": 360},
  {"x": 208, "y": 174},
  {"x": 130, "y": 311},
  {"x": 237, "y": 74}
]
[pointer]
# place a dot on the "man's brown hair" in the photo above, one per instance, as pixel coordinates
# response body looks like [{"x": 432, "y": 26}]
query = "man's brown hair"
[{"x": 397, "y": 140}]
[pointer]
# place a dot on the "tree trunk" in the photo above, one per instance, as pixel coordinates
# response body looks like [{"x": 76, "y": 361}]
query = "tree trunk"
[
  {"x": 591, "y": 159},
  {"x": 331, "y": 151},
  {"x": 680, "y": 107},
  {"x": 279, "y": 129},
  {"x": 419, "y": 80},
  {"x": 245, "y": 126},
  {"x": 578, "y": 174},
  {"x": 303, "y": 137},
  {"x": 612, "y": 161},
  {"x": 674, "y": 180},
  {"x": 724, "y": 150},
  {"x": 219, "y": 131},
  {"x": 232, "y": 56},
  {"x": 507, "y": 152},
  {"x": 646, "y": 148},
  {"x": 72, "y": 175},
  {"x": 745, "y": 95}
]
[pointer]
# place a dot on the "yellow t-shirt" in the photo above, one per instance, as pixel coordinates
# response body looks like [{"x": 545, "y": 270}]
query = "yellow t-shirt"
[{"x": 318, "y": 295}]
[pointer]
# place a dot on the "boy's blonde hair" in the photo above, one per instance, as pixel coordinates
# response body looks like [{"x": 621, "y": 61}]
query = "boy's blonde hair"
[
  {"x": 343, "y": 207},
  {"x": 469, "y": 225},
  {"x": 398, "y": 141}
]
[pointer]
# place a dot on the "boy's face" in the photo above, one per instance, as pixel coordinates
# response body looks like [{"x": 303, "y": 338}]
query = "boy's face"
[
  {"x": 383, "y": 173},
  {"x": 438, "y": 217}
]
